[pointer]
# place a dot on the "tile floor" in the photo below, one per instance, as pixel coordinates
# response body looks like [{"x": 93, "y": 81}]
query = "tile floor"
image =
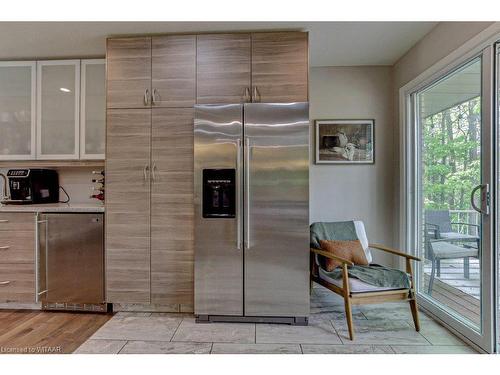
[{"x": 383, "y": 329}]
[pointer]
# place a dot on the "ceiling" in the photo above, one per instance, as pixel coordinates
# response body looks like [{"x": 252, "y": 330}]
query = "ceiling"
[
  {"x": 331, "y": 43},
  {"x": 459, "y": 87}
]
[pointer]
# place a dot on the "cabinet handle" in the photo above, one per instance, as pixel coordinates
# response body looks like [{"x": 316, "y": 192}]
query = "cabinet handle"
[
  {"x": 5, "y": 282},
  {"x": 247, "y": 97},
  {"x": 4, "y": 247},
  {"x": 145, "y": 171},
  {"x": 256, "y": 95},
  {"x": 4, "y": 221},
  {"x": 146, "y": 97},
  {"x": 153, "y": 172},
  {"x": 154, "y": 96}
]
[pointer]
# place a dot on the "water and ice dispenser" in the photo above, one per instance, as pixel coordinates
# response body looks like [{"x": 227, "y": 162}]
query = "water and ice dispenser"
[{"x": 219, "y": 193}]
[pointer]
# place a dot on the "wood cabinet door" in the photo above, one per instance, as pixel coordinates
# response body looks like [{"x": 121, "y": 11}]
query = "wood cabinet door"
[
  {"x": 128, "y": 72},
  {"x": 172, "y": 208},
  {"x": 128, "y": 149},
  {"x": 174, "y": 71},
  {"x": 280, "y": 67},
  {"x": 223, "y": 68}
]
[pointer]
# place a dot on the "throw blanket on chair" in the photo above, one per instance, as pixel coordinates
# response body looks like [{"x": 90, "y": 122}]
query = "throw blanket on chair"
[{"x": 373, "y": 274}]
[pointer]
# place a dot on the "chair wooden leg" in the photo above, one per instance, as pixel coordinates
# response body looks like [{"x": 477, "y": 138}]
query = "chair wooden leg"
[
  {"x": 348, "y": 315},
  {"x": 347, "y": 301},
  {"x": 412, "y": 295},
  {"x": 414, "y": 313}
]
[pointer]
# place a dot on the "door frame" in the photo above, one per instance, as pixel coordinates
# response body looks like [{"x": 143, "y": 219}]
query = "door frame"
[
  {"x": 409, "y": 222},
  {"x": 496, "y": 255}
]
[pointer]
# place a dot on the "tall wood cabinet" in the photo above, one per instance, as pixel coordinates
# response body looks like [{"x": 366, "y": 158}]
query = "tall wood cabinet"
[
  {"x": 172, "y": 210},
  {"x": 128, "y": 205},
  {"x": 152, "y": 85},
  {"x": 149, "y": 176}
]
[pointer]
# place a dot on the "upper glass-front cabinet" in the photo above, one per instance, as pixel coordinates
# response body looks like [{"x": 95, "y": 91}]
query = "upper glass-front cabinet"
[
  {"x": 17, "y": 110},
  {"x": 58, "y": 109},
  {"x": 93, "y": 109}
]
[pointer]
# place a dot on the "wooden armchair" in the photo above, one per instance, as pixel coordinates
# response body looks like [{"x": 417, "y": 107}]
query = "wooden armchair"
[{"x": 355, "y": 293}]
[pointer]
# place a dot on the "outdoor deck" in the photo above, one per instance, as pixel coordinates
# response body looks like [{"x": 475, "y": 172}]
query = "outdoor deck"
[{"x": 452, "y": 289}]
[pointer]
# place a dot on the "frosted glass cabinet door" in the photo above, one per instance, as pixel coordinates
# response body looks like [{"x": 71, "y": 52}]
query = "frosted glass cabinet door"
[
  {"x": 58, "y": 109},
  {"x": 17, "y": 110},
  {"x": 93, "y": 109}
]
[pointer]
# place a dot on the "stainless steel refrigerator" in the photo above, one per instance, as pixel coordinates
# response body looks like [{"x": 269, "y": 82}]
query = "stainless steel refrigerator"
[{"x": 251, "y": 184}]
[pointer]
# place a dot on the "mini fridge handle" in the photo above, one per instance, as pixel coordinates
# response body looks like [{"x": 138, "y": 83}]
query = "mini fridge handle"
[{"x": 41, "y": 267}]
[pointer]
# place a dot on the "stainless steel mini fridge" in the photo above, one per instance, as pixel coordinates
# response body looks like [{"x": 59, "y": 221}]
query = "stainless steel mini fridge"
[
  {"x": 70, "y": 261},
  {"x": 251, "y": 181}
]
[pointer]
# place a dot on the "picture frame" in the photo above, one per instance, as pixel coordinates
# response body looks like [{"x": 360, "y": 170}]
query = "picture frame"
[{"x": 344, "y": 141}]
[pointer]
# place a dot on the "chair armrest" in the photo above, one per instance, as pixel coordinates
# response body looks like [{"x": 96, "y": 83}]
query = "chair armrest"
[
  {"x": 331, "y": 256},
  {"x": 392, "y": 251},
  {"x": 434, "y": 228}
]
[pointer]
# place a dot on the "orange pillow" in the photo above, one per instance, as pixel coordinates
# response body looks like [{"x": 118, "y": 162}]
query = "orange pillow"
[{"x": 349, "y": 250}]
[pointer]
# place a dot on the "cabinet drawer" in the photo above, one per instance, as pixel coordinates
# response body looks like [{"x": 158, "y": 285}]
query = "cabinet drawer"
[
  {"x": 17, "y": 282},
  {"x": 17, "y": 247},
  {"x": 17, "y": 221}
]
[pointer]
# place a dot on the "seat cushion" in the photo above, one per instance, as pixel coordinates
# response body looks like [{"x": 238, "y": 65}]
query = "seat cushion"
[
  {"x": 447, "y": 250},
  {"x": 355, "y": 285},
  {"x": 458, "y": 236}
]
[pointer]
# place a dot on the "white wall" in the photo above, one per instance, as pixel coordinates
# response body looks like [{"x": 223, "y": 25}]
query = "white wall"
[{"x": 364, "y": 192}]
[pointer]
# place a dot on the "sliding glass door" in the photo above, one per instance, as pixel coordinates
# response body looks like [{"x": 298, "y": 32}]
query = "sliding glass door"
[
  {"x": 451, "y": 206},
  {"x": 497, "y": 249}
]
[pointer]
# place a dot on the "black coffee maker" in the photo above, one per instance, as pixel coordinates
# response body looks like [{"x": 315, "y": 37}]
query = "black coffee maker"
[{"x": 33, "y": 186}]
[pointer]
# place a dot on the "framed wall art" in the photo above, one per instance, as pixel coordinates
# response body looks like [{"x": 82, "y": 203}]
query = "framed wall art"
[{"x": 345, "y": 141}]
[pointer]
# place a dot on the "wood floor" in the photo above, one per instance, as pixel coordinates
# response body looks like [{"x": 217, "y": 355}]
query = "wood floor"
[
  {"x": 453, "y": 290},
  {"x": 46, "y": 332}
]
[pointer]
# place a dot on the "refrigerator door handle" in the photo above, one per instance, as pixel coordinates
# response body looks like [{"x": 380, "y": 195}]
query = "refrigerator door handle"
[
  {"x": 247, "y": 193},
  {"x": 238, "y": 195}
]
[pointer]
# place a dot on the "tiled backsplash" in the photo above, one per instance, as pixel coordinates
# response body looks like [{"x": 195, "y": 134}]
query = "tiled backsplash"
[{"x": 77, "y": 181}]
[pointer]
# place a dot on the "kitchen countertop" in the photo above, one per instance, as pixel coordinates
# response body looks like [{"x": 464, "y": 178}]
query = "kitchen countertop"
[{"x": 52, "y": 207}]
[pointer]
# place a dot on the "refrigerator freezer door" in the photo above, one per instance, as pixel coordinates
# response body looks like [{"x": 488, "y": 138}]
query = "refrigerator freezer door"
[
  {"x": 74, "y": 258},
  {"x": 218, "y": 236},
  {"x": 277, "y": 209}
]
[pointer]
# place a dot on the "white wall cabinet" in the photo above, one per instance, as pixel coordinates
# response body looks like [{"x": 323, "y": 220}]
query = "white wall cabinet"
[
  {"x": 58, "y": 109},
  {"x": 93, "y": 109},
  {"x": 17, "y": 110},
  {"x": 52, "y": 110}
]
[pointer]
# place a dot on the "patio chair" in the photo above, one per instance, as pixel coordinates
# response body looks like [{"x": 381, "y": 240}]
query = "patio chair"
[
  {"x": 441, "y": 221},
  {"x": 439, "y": 229},
  {"x": 355, "y": 291},
  {"x": 437, "y": 249}
]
